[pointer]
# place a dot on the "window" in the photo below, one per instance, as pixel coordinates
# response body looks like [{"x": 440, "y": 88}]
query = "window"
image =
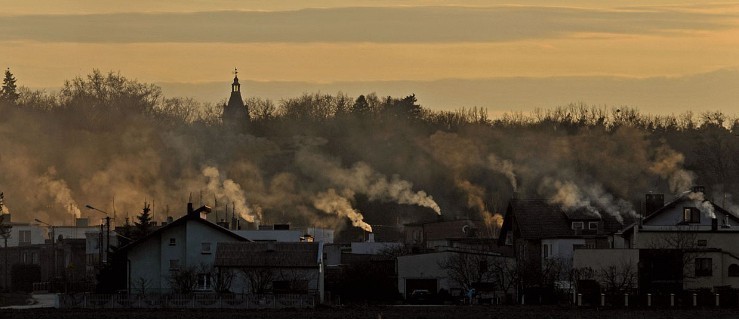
[
  {"x": 24, "y": 237},
  {"x": 172, "y": 241},
  {"x": 578, "y": 225},
  {"x": 702, "y": 243},
  {"x": 545, "y": 250},
  {"x": 593, "y": 225},
  {"x": 204, "y": 281},
  {"x": 205, "y": 247},
  {"x": 703, "y": 267},
  {"x": 174, "y": 264},
  {"x": 691, "y": 215},
  {"x": 734, "y": 270}
]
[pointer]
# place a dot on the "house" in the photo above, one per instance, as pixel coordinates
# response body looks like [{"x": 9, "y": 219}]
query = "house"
[
  {"x": 457, "y": 270},
  {"x": 695, "y": 233},
  {"x": 544, "y": 238},
  {"x": 166, "y": 259},
  {"x": 272, "y": 267}
]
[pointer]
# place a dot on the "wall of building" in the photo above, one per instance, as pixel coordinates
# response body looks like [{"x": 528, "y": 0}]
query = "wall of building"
[
  {"x": 38, "y": 234},
  {"x": 423, "y": 266},
  {"x": 374, "y": 247},
  {"x": 271, "y": 235}
]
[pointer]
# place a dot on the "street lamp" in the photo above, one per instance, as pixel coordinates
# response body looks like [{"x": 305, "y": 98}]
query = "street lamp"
[
  {"x": 53, "y": 246},
  {"x": 107, "y": 242}
]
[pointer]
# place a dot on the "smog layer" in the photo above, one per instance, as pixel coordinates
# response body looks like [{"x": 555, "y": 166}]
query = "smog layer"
[{"x": 343, "y": 162}]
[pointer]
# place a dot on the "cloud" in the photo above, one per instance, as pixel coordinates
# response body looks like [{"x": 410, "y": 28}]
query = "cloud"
[{"x": 365, "y": 24}]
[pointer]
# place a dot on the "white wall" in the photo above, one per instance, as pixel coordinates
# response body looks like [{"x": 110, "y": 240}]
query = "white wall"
[
  {"x": 373, "y": 247},
  {"x": 150, "y": 259},
  {"x": 38, "y": 234},
  {"x": 423, "y": 266},
  {"x": 271, "y": 235}
]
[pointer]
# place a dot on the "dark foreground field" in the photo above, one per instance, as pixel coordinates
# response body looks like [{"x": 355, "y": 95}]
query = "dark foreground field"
[{"x": 375, "y": 312}]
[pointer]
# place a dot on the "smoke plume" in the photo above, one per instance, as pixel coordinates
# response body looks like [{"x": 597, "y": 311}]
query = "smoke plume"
[
  {"x": 59, "y": 192},
  {"x": 331, "y": 202},
  {"x": 228, "y": 191},
  {"x": 668, "y": 165}
]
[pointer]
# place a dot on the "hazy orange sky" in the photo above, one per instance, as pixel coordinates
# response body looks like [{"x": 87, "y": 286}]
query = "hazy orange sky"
[{"x": 640, "y": 53}]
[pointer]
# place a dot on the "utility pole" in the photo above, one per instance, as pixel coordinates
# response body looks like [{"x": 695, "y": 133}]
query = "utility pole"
[{"x": 107, "y": 240}]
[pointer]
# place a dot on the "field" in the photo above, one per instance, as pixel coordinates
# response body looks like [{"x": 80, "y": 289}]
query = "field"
[{"x": 376, "y": 312}]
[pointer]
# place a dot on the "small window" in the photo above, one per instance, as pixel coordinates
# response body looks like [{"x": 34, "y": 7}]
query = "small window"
[
  {"x": 545, "y": 250},
  {"x": 24, "y": 237},
  {"x": 578, "y": 225},
  {"x": 172, "y": 241},
  {"x": 734, "y": 270},
  {"x": 691, "y": 215},
  {"x": 593, "y": 225},
  {"x": 703, "y": 267},
  {"x": 174, "y": 264},
  {"x": 206, "y": 247},
  {"x": 483, "y": 265},
  {"x": 702, "y": 243}
]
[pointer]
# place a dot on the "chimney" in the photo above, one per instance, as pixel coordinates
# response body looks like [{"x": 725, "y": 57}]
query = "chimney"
[
  {"x": 170, "y": 220},
  {"x": 189, "y": 208},
  {"x": 655, "y": 201},
  {"x": 82, "y": 222},
  {"x": 698, "y": 188},
  {"x": 371, "y": 237},
  {"x": 714, "y": 224}
]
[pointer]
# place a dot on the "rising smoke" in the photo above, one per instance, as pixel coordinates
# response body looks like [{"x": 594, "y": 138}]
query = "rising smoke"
[{"x": 307, "y": 168}]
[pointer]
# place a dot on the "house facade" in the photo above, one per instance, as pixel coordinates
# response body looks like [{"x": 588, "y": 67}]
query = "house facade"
[
  {"x": 162, "y": 260},
  {"x": 702, "y": 237},
  {"x": 272, "y": 267}
]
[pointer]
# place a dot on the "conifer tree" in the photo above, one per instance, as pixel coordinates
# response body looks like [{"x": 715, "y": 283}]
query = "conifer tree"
[
  {"x": 143, "y": 224},
  {"x": 9, "y": 91}
]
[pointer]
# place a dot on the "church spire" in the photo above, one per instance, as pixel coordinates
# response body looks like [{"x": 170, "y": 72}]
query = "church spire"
[{"x": 236, "y": 87}]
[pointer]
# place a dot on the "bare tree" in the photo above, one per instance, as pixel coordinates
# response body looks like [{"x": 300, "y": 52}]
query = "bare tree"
[
  {"x": 183, "y": 280},
  {"x": 618, "y": 278},
  {"x": 685, "y": 240},
  {"x": 224, "y": 279},
  {"x": 467, "y": 268},
  {"x": 260, "y": 279},
  {"x": 142, "y": 285}
]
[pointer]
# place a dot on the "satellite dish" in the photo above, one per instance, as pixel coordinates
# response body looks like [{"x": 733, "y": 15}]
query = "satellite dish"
[{"x": 465, "y": 229}]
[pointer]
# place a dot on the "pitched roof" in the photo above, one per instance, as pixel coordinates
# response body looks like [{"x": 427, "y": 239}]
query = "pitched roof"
[
  {"x": 537, "y": 219},
  {"x": 267, "y": 254},
  {"x": 677, "y": 201},
  {"x": 181, "y": 221}
]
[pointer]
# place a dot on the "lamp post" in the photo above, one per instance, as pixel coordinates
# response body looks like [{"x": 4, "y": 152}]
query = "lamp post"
[
  {"x": 53, "y": 246},
  {"x": 107, "y": 240}
]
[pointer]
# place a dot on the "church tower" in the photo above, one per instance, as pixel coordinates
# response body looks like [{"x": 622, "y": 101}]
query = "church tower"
[{"x": 235, "y": 113}]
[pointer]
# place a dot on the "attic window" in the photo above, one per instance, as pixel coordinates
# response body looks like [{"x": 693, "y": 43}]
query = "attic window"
[
  {"x": 691, "y": 215},
  {"x": 578, "y": 225},
  {"x": 593, "y": 225},
  {"x": 205, "y": 248},
  {"x": 172, "y": 241}
]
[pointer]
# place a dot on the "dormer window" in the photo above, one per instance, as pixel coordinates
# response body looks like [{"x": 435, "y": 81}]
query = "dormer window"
[
  {"x": 593, "y": 225},
  {"x": 691, "y": 215},
  {"x": 578, "y": 225}
]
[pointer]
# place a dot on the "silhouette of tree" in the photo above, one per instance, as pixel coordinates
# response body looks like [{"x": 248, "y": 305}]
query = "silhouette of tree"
[
  {"x": 9, "y": 92},
  {"x": 143, "y": 226}
]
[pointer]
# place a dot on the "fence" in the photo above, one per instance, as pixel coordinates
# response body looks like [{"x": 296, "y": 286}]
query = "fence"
[
  {"x": 180, "y": 301},
  {"x": 679, "y": 299}
]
